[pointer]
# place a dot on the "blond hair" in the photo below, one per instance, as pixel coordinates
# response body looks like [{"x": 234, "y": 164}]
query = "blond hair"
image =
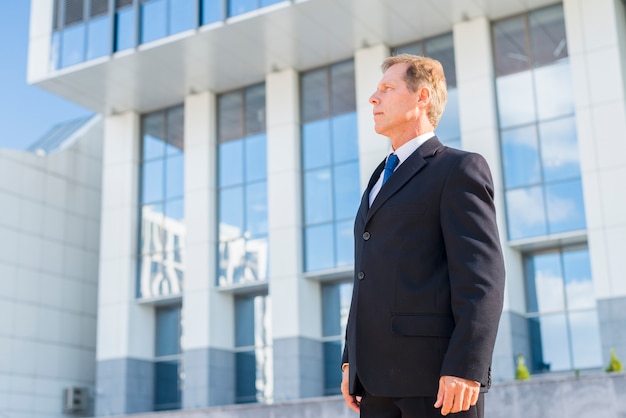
[{"x": 424, "y": 72}]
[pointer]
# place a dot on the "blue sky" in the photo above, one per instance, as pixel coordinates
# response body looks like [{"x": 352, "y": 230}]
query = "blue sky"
[{"x": 26, "y": 112}]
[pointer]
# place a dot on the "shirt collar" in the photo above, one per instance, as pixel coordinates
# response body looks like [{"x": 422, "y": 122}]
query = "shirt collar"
[{"x": 405, "y": 151}]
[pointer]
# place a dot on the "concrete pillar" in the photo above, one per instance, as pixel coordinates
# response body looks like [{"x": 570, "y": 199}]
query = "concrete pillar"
[
  {"x": 479, "y": 133},
  {"x": 125, "y": 346},
  {"x": 296, "y": 304},
  {"x": 596, "y": 42}
]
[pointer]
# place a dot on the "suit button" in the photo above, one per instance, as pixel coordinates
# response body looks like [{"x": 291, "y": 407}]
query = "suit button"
[
  {"x": 366, "y": 236},
  {"x": 361, "y": 275}
]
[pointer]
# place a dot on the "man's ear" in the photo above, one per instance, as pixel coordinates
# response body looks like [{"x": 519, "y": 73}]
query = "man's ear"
[{"x": 424, "y": 96}]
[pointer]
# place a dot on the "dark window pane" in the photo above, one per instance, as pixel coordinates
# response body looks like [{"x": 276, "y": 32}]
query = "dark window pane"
[
  {"x": 73, "y": 45},
  {"x": 559, "y": 149},
  {"x": 319, "y": 247},
  {"x": 122, "y": 3},
  {"x": 332, "y": 372},
  {"x": 125, "y": 29},
  {"x": 167, "y": 331},
  {"x": 98, "y": 7},
  {"x": 182, "y": 15},
  {"x": 153, "y": 20},
  {"x": 167, "y": 385},
  {"x": 230, "y": 116},
  {"x": 212, "y": 11},
  {"x": 414, "y": 48},
  {"x": 98, "y": 38},
  {"x": 520, "y": 157},
  {"x": 153, "y": 136},
  {"x": 510, "y": 46},
  {"x": 246, "y": 375},
  {"x": 441, "y": 48},
  {"x": 343, "y": 93},
  {"x": 255, "y": 110},
  {"x": 315, "y": 99},
  {"x": 316, "y": 144},
  {"x": 547, "y": 35},
  {"x": 525, "y": 210},
  {"x": 566, "y": 208},
  {"x": 74, "y": 11}
]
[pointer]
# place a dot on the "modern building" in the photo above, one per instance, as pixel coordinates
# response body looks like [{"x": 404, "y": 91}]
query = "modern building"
[{"x": 237, "y": 138}]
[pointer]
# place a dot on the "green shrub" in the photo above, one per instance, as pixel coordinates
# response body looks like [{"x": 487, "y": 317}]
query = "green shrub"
[
  {"x": 522, "y": 372},
  {"x": 614, "y": 364}
]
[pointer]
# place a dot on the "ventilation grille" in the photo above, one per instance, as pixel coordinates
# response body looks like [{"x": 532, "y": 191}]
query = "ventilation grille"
[
  {"x": 74, "y": 12},
  {"x": 98, "y": 7}
]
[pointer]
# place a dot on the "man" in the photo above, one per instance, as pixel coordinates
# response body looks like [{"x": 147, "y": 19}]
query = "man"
[{"x": 429, "y": 273}]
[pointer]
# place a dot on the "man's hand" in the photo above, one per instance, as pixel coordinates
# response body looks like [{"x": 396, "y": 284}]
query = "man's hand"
[
  {"x": 354, "y": 402},
  {"x": 455, "y": 394}
]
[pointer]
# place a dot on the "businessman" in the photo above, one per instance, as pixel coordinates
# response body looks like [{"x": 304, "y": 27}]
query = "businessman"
[{"x": 429, "y": 273}]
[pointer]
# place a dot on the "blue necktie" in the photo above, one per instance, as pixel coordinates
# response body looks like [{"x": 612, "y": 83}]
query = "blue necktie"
[{"x": 390, "y": 165}]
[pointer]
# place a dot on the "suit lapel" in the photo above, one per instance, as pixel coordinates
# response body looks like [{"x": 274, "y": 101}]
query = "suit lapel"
[
  {"x": 365, "y": 199},
  {"x": 409, "y": 168}
]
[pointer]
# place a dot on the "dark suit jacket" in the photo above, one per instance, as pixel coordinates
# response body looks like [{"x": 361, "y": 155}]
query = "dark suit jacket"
[{"x": 429, "y": 276}]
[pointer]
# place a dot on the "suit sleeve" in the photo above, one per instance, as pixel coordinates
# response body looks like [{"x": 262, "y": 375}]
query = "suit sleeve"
[{"x": 475, "y": 267}]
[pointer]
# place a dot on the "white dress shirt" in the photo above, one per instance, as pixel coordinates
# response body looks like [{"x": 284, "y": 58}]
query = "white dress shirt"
[{"x": 403, "y": 153}]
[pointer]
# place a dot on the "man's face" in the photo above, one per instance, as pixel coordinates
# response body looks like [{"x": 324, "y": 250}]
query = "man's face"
[{"x": 396, "y": 108}]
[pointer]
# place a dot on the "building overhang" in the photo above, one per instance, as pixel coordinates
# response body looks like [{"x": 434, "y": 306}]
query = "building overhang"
[{"x": 240, "y": 51}]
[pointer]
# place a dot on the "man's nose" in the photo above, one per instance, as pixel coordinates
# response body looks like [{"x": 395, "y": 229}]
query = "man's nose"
[{"x": 373, "y": 99}]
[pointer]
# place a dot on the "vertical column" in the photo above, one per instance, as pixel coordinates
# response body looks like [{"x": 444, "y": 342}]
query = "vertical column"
[
  {"x": 208, "y": 360},
  {"x": 296, "y": 304},
  {"x": 596, "y": 34},
  {"x": 125, "y": 346},
  {"x": 479, "y": 133},
  {"x": 372, "y": 147},
  {"x": 40, "y": 40}
]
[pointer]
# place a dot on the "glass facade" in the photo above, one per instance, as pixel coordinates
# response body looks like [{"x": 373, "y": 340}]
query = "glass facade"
[
  {"x": 82, "y": 29},
  {"x": 441, "y": 48},
  {"x": 335, "y": 307},
  {"x": 562, "y": 314},
  {"x": 167, "y": 365},
  {"x": 539, "y": 143},
  {"x": 162, "y": 205},
  {"x": 253, "y": 352},
  {"x": 330, "y": 165},
  {"x": 242, "y": 187}
]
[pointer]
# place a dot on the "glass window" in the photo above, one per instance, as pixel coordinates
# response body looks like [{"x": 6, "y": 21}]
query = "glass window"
[
  {"x": 242, "y": 180},
  {"x": 538, "y": 137},
  {"x": 335, "y": 307},
  {"x": 153, "y": 20},
  {"x": 125, "y": 33},
  {"x": 562, "y": 316},
  {"x": 163, "y": 230},
  {"x": 98, "y": 37},
  {"x": 167, "y": 365},
  {"x": 331, "y": 191},
  {"x": 181, "y": 16},
  {"x": 212, "y": 11},
  {"x": 237, "y": 7},
  {"x": 441, "y": 48},
  {"x": 73, "y": 45},
  {"x": 253, "y": 349}
]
